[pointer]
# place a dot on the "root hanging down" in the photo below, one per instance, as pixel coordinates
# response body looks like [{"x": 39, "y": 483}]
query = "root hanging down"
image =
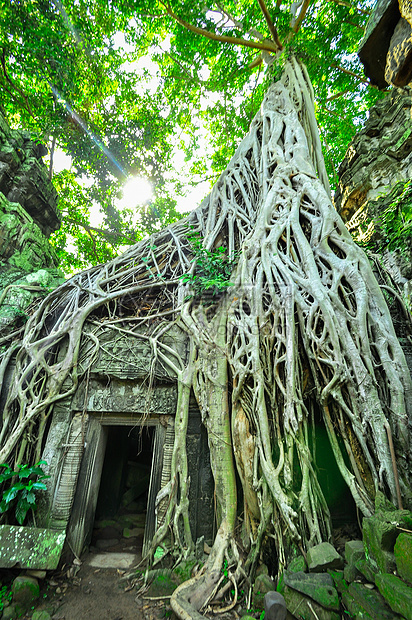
[{"x": 303, "y": 337}]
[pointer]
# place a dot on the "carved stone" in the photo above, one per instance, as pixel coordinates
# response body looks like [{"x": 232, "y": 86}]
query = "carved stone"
[
  {"x": 24, "y": 177},
  {"x": 378, "y": 157},
  {"x": 399, "y": 58},
  {"x": 386, "y": 48}
]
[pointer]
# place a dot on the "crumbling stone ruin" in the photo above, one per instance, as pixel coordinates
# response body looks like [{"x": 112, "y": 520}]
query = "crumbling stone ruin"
[
  {"x": 372, "y": 181},
  {"x": 386, "y": 49},
  {"x": 28, "y": 215}
]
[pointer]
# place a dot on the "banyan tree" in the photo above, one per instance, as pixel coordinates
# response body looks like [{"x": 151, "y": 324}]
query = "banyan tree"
[{"x": 289, "y": 333}]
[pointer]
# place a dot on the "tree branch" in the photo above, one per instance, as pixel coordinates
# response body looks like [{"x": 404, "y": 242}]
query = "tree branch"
[
  {"x": 352, "y": 73},
  {"x": 105, "y": 234},
  {"x": 350, "y": 6},
  {"x": 271, "y": 25},
  {"x": 10, "y": 81},
  {"x": 298, "y": 22},
  {"x": 267, "y": 46}
]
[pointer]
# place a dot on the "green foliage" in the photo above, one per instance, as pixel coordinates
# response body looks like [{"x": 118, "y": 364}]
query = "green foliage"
[
  {"x": 20, "y": 497},
  {"x": 213, "y": 269},
  {"x": 122, "y": 86},
  {"x": 393, "y": 222}
]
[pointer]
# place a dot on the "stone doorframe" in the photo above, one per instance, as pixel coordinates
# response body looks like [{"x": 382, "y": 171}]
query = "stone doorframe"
[{"x": 80, "y": 526}]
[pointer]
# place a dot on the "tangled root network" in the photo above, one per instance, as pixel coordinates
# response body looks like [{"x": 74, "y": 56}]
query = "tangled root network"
[{"x": 302, "y": 339}]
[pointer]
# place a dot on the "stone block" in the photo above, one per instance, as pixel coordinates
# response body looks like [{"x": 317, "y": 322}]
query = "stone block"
[
  {"x": 398, "y": 69},
  {"x": 275, "y": 606},
  {"x": 350, "y": 572},
  {"x": 379, "y": 535},
  {"x": 263, "y": 584},
  {"x": 354, "y": 551},
  {"x": 305, "y": 608},
  {"x": 10, "y": 613},
  {"x": 403, "y": 556},
  {"x": 367, "y": 570},
  {"x": 370, "y": 602},
  {"x": 323, "y": 557},
  {"x": 41, "y": 615},
  {"x": 298, "y": 565},
  {"x": 25, "y": 591},
  {"x": 397, "y": 594},
  {"x": 319, "y": 587},
  {"x": 30, "y": 547}
]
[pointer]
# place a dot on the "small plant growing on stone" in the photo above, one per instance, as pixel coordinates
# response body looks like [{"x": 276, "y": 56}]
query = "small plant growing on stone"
[
  {"x": 213, "y": 269},
  {"x": 26, "y": 481}
]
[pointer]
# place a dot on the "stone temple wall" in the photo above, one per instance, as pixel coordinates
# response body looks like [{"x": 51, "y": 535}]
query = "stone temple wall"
[
  {"x": 378, "y": 157},
  {"x": 372, "y": 179},
  {"x": 28, "y": 215}
]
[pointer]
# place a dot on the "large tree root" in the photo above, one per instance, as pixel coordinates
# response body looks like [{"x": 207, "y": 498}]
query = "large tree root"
[{"x": 303, "y": 338}]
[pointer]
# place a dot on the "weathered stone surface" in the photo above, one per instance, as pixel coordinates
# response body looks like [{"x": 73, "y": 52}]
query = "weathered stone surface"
[
  {"x": 24, "y": 177},
  {"x": 354, "y": 551},
  {"x": 364, "y": 603},
  {"x": 318, "y": 587},
  {"x": 379, "y": 535},
  {"x": 375, "y": 43},
  {"x": 379, "y": 156},
  {"x": 124, "y": 357},
  {"x": 113, "y": 560},
  {"x": 275, "y": 606},
  {"x": 396, "y": 593},
  {"x": 323, "y": 556},
  {"x": 30, "y": 547},
  {"x": 298, "y": 564},
  {"x": 21, "y": 292},
  {"x": 350, "y": 573},
  {"x": 305, "y": 608},
  {"x": 367, "y": 570},
  {"x": 399, "y": 58},
  {"x": 403, "y": 556},
  {"x": 38, "y": 574},
  {"x": 263, "y": 584},
  {"x": 25, "y": 591},
  {"x": 10, "y": 613},
  {"x": 41, "y": 615},
  {"x": 126, "y": 397}
]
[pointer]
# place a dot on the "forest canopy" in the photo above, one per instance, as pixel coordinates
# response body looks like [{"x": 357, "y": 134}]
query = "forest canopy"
[{"x": 142, "y": 88}]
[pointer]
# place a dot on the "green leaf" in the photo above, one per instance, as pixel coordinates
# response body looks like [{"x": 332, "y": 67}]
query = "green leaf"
[{"x": 22, "y": 508}]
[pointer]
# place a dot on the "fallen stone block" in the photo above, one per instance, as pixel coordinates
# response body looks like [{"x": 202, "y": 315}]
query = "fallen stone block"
[
  {"x": 275, "y": 606},
  {"x": 379, "y": 535},
  {"x": 319, "y": 587},
  {"x": 323, "y": 557},
  {"x": 263, "y": 584},
  {"x": 25, "y": 591},
  {"x": 30, "y": 547},
  {"x": 297, "y": 565},
  {"x": 354, "y": 551},
  {"x": 366, "y": 569},
  {"x": 370, "y": 601},
  {"x": 403, "y": 556},
  {"x": 305, "y": 608},
  {"x": 397, "y": 593}
]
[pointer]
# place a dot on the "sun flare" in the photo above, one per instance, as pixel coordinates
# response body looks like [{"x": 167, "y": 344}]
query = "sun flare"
[{"x": 136, "y": 191}]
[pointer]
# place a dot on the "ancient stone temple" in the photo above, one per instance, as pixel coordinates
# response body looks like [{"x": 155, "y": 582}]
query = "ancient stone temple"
[
  {"x": 378, "y": 157},
  {"x": 372, "y": 180},
  {"x": 28, "y": 215},
  {"x": 109, "y": 443}
]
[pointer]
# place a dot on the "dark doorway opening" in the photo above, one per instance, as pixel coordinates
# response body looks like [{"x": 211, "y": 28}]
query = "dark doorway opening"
[
  {"x": 121, "y": 509},
  {"x": 341, "y": 504}
]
